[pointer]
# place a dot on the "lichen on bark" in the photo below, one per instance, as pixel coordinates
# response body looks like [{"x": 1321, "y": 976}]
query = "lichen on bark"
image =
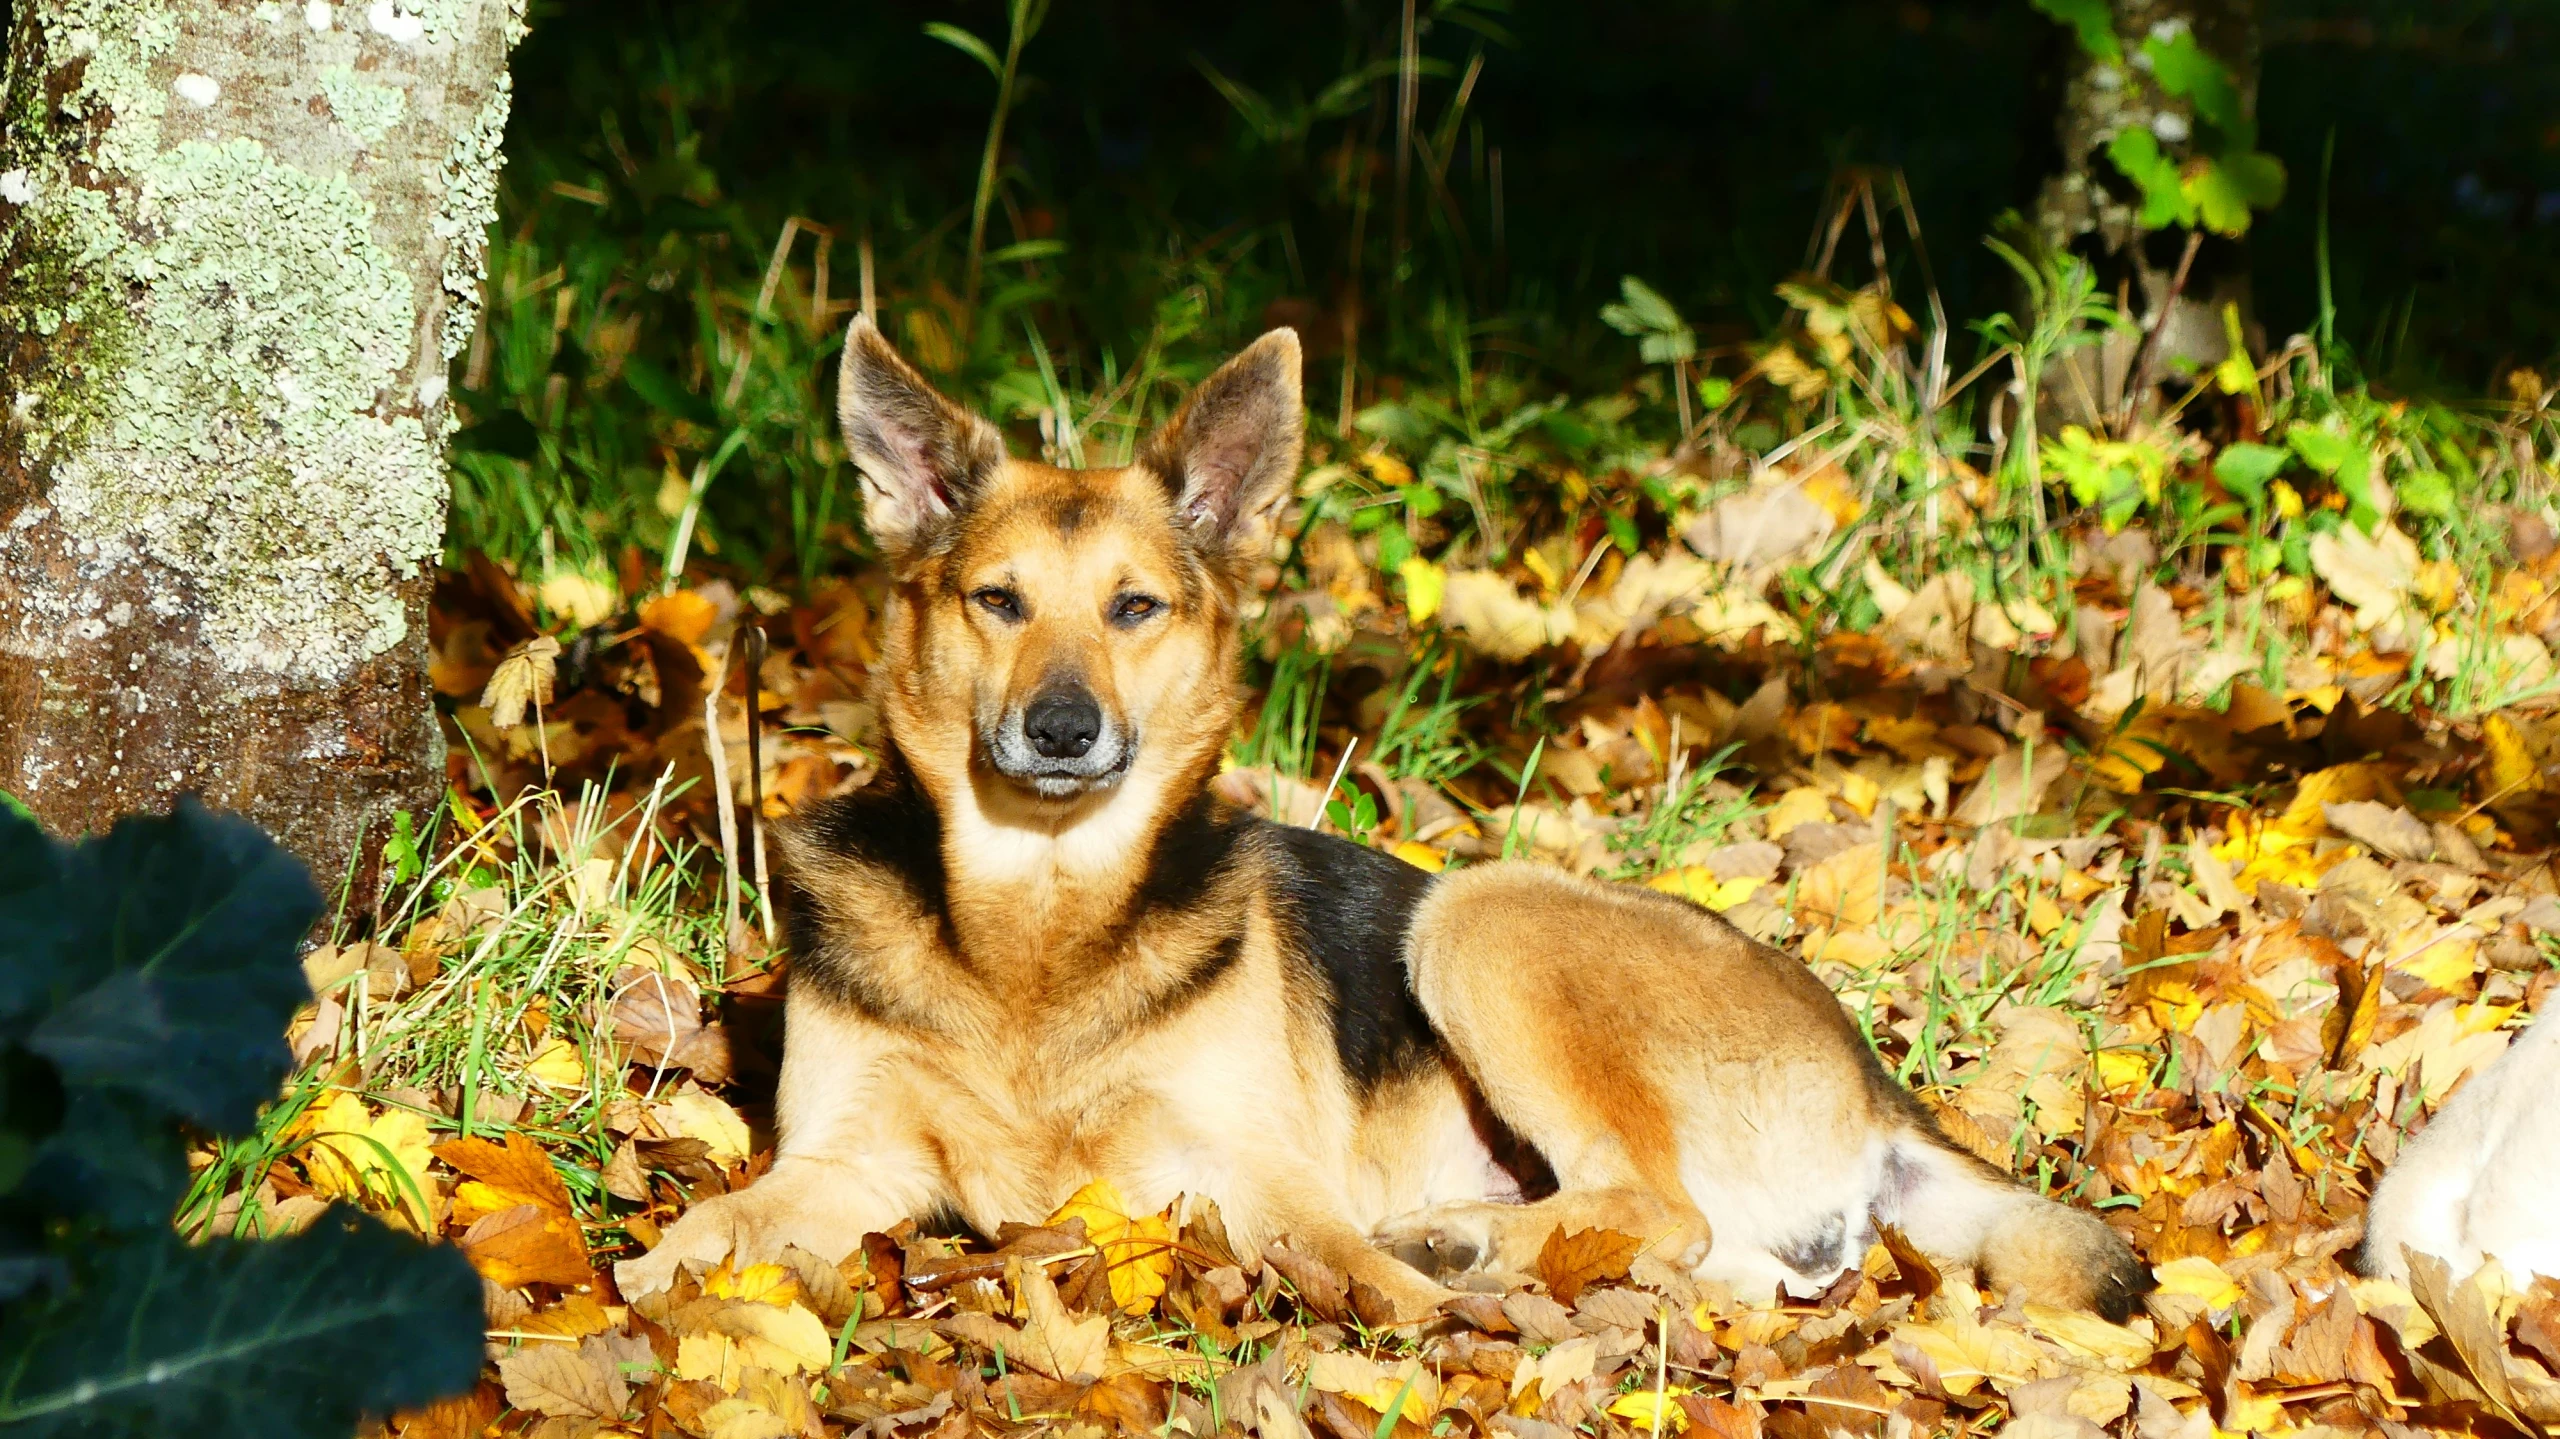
[{"x": 239, "y": 245}]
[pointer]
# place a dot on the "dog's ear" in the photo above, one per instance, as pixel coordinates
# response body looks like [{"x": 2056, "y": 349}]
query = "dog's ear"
[
  {"x": 1230, "y": 454},
  {"x": 923, "y": 456}
]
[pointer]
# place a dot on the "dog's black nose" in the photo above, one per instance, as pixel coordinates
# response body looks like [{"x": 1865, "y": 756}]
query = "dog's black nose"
[{"x": 1063, "y": 724}]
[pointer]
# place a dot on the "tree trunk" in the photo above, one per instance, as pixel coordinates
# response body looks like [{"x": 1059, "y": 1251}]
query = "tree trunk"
[
  {"x": 2088, "y": 208},
  {"x": 239, "y": 245}
]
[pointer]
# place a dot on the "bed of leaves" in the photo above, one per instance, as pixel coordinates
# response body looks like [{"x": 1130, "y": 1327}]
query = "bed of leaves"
[{"x": 2180, "y": 931}]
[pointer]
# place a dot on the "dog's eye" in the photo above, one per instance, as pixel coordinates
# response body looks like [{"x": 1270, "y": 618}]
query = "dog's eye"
[
  {"x": 1129, "y": 609},
  {"x": 1002, "y": 602}
]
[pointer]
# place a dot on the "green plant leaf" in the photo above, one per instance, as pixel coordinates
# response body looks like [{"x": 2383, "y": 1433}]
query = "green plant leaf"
[
  {"x": 1665, "y": 337},
  {"x": 2092, "y": 22},
  {"x": 2323, "y": 450},
  {"x": 2228, "y": 188},
  {"x": 2428, "y": 493},
  {"x": 2136, "y": 152},
  {"x": 2184, "y": 69},
  {"x": 1027, "y": 250},
  {"x": 2245, "y": 467},
  {"x": 179, "y": 976},
  {"x": 267, "y": 1338},
  {"x": 967, "y": 44}
]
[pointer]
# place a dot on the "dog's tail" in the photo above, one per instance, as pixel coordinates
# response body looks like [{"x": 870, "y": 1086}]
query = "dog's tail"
[{"x": 1954, "y": 1207}]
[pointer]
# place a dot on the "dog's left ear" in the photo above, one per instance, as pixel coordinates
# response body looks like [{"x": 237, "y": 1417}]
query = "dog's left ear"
[{"x": 1230, "y": 454}]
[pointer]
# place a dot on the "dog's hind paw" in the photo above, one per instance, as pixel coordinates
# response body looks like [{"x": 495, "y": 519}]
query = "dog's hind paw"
[{"x": 1452, "y": 1243}]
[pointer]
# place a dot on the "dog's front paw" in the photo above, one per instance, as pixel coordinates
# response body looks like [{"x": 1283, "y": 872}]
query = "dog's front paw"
[{"x": 708, "y": 1233}]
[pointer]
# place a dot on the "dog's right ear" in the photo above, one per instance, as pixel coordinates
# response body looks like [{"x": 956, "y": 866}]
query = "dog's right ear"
[{"x": 923, "y": 456}]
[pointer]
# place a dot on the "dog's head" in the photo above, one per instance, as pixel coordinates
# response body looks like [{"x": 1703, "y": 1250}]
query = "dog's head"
[{"x": 1054, "y": 632}]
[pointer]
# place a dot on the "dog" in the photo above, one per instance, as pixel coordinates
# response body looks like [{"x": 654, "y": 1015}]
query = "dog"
[
  {"x": 1036, "y": 950},
  {"x": 2478, "y": 1182}
]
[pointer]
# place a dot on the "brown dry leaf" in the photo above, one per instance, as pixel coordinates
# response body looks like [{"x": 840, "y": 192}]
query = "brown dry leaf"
[
  {"x": 523, "y": 678},
  {"x": 1844, "y": 891},
  {"x": 2386, "y": 829},
  {"x": 1571, "y": 1263},
  {"x": 2469, "y": 1321},
  {"x": 1055, "y": 1342},
  {"x": 566, "y": 1381},
  {"x": 527, "y": 1244}
]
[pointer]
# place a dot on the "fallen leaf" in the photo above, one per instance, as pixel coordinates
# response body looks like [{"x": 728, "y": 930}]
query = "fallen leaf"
[
  {"x": 1571, "y": 1263},
  {"x": 377, "y": 1160},
  {"x": 527, "y": 1244},
  {"x": 2387, "y": 830},
  {"x": 697, "y": 1115},
  {"x": 1139, "y": 1249},
  {"x": 567, "y": 1381},
  {"x": 1055, "y": 1342},
  {"x": 524, "y": 677}
]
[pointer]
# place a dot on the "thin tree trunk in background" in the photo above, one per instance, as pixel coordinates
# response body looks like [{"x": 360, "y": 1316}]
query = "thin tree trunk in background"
[
  {"x": 2090, "y": 209},
  {"x": 239, "y": 244}
]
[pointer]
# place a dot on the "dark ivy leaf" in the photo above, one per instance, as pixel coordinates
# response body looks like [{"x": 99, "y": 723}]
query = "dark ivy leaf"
[
  {"x": 32, "y": 916},
  {"x": 267, "y": 1338},
  {"x": 179, "y": 974}
]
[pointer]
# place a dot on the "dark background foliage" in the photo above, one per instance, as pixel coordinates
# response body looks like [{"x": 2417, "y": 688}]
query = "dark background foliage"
[{"x": 1689, "y": 143}]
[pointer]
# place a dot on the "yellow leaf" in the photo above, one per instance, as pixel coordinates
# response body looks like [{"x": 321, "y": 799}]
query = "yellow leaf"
[
  {"x": 1424, "y": 583},
  {"x": 558, "y": 1065},
  {"x": 581, "y": 599},
  {"x": 2198, "y": 1278},
  {"x": 2513, "y": 769},
  {"x": 711, "y": 1358},
  {"x": 763, "y": 1283},
  {"x": 1138, "y": 1249},
  {"x": 1859, "y": 792},
  {"x": 704, "y": 1117},
  {"x": 787, "y": 1340},
  {"x": 1421, "y": 856},
  {"x": 2043, "y": 915},
  {"x": 1699, "y": 885},
  {"x": 1968, "y": 1352},
  {"x": 2121, "y": 1070},
  {"x": 2447, "y": 964},
  {"x": 1386, "y": 469},
  {"x": 379, "y": 1161},
  {"x": 2091, "y": 1337},
  {"x": 1805, "y": 804},
  {"x": 2338, "y": 784},
  {"x": 1653, "y": 1409}
]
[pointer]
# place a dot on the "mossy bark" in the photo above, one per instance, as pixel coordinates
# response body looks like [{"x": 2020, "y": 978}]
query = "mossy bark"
[
  {"x": 2090, "y": 209},
  {"x": 240, "y": 244}
]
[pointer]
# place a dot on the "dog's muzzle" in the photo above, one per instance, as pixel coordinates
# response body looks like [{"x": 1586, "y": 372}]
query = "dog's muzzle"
[{"x": 1061, "y": 744}]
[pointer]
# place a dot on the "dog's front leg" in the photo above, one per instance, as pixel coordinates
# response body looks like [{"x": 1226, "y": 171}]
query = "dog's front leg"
[{"x": 854, "y": 1157}]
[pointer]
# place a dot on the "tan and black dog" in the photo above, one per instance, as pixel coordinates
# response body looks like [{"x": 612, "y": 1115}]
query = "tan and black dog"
[{"x": 1036, "y": 951}]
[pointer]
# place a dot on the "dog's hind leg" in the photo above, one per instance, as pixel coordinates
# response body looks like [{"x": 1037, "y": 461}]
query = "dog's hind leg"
[{"x": 1560, "y": 1061}]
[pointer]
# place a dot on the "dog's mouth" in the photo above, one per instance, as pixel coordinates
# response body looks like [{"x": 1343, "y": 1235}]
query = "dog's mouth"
[{"x": 1097, "y": 769}]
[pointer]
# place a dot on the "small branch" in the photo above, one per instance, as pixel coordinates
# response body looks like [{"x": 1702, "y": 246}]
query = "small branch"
[{"x": 2148, "y": 358}]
